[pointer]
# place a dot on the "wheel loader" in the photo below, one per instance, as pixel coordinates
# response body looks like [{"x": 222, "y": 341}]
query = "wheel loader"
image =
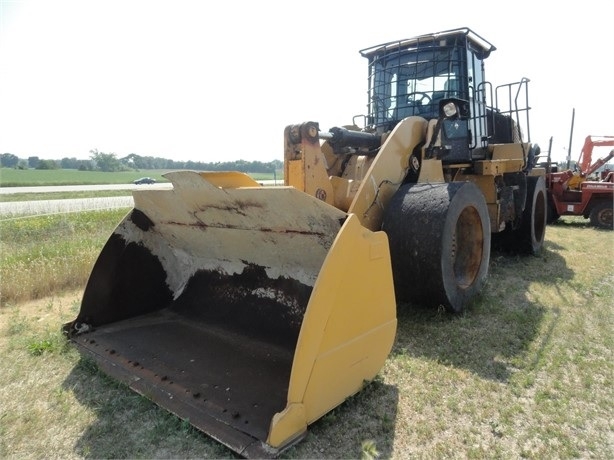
[{"x": 252, "y": 311}]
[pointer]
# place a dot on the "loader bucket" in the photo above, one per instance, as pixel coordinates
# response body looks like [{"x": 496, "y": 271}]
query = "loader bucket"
[{"x": 249, "y": 311}]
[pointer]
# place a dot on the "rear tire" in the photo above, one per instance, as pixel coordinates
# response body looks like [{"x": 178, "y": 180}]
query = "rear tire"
[
  {"x": 532, "y": 231},
  {"x": 439, "y": 236},
  {"x": 552, "y": 214},
  {"x": 601, "y": 215},
  {"x": 529, "y": 237}
]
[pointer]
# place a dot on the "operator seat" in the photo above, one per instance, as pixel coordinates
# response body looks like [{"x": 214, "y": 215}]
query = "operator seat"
[{"x": 406, "y": 109}]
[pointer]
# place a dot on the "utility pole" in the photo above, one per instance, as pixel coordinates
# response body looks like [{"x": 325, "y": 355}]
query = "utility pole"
[{"x": 573, "y": 115}]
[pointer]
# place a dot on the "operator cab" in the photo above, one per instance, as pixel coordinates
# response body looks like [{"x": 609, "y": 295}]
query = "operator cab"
[{"x": 413, "y": 77}]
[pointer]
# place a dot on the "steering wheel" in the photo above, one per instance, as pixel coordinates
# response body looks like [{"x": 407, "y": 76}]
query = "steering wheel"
[{"x": 418, "y": 100}]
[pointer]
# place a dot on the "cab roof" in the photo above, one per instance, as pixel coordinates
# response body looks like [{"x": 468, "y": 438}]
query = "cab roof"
[{"x": 476, "y": 40}]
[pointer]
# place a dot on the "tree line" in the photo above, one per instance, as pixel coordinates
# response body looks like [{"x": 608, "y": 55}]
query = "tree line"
[{"x": 101, "y": 161}]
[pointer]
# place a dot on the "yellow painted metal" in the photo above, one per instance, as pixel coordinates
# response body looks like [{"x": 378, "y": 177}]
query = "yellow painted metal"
[
  {"x": 347, "y": 184},
  {"x": 344, "y": 191},
  {"x": 287, "y": 425},
  {"x": 575, "y": 181},
  {"x": 431, "y": 171},
  {"x": 347, "y": 331},
  {"x": 498, "y": 167},
  {"x": 537, "y": 172},
  {"x": 512, "y": 151},
  {"x": 306, "y": 166},
  {"x": 387, "y": 172},
  {"x": 365, "y": 184},
  {"x": 486, "y": 183},
  {"x": 229, "y": 179},
  {"x": 295, "y": 174}
]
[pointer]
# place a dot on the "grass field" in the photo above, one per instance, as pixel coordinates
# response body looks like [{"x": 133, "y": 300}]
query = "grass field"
[
  {"x": 44, "y": 255},
  {"x": 526, "y": 372},
  {"x": 10, "y": 177}
]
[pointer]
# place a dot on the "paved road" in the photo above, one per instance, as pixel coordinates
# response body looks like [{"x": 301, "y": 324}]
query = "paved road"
[
  {"x": 82, "y": 188},
  {"x": 31, "y": 208},
  {"x": 38, "y": 207},
  {"x": 78, "y": 188}
]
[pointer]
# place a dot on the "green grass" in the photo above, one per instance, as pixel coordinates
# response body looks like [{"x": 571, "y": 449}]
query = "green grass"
[
  {"x": 525, "y": 372},
  {"x": 10, "y": 177}
]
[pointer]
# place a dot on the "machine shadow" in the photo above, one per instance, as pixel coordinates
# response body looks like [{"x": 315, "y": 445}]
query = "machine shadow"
[
  {"x": 370, "y": 415},
  {"x": 497, "y": 327},
  {"x": 577, "y": 222},
  {"x": 128, "y": 425}
]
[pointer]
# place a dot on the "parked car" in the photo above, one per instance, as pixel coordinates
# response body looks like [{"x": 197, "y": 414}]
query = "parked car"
[{"x": 145, "y": 180}]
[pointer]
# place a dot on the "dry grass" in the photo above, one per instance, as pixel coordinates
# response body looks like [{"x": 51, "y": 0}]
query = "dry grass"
[
  {"x": 44, "y": 255},
  {"x": 525, "y": 373}
]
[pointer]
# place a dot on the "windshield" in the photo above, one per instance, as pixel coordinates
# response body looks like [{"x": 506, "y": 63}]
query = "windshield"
[{"x": 412, "y": 82}]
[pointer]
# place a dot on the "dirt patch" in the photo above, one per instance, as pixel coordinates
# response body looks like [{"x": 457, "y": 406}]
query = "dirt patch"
[
  {"x": 36, "y": 307},
  {"x": 46, "y": 313}
]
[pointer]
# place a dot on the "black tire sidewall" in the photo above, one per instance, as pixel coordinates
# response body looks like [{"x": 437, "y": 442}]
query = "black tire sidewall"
[{"x": 536, "y": 189}]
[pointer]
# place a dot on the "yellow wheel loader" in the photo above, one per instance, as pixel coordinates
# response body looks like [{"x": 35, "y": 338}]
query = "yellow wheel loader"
[{"x": 252, "y": 311}]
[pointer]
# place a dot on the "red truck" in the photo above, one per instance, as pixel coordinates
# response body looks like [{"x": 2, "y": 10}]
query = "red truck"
[{"x": 575, "y": 193}]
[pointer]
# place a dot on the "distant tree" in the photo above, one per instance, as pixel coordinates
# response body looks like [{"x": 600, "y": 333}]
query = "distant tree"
[
  {"x": 128, "y": 161},
  {"x": 48, "y": 164},
  {"x": 69, "y": 163},
  {"x": 193, "y": 165},
  {"x": 134, "y": 161},
  {"x": 107, "y": 162},
  {"x": 8, "y": 160},
  {"x": 33, "y": 162},
  {"x": 22, "y": 164},
  {"x": 85, "y": 165}
]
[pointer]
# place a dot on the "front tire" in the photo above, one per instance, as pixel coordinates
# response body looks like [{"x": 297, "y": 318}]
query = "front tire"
[{"x": 439, "y": 236}]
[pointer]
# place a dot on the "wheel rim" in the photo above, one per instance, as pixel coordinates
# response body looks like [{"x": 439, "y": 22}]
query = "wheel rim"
[
  {"x": 467, "y": 247},
  {"x": 605, "y": 217}
]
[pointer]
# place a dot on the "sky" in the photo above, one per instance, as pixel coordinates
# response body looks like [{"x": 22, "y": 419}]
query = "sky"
[{"x": 217, "y": 81}]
